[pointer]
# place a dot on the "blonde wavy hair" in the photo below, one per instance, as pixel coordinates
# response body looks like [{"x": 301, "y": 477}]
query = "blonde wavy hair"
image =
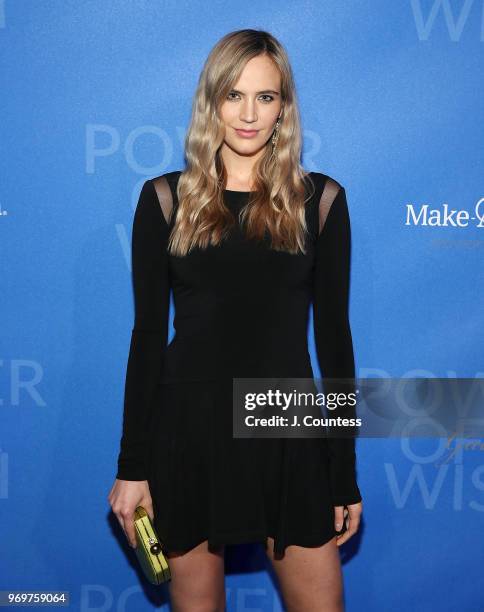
[{"x": 277, "y": 203}]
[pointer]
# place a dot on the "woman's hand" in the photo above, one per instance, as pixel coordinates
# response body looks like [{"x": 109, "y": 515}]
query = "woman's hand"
[
  {"x": 351, "y": 519},
  {"x": 124, "y": 498}
]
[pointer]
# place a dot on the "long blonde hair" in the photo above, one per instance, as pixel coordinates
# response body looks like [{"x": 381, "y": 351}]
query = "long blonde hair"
[{"x": 277, "y": 205}]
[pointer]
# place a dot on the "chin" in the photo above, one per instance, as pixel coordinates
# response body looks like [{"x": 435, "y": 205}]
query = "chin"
[{"x": 249, "y": 149}]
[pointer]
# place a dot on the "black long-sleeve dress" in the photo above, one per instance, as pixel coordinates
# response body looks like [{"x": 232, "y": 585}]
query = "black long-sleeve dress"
[{"x": 241, "y": 310}]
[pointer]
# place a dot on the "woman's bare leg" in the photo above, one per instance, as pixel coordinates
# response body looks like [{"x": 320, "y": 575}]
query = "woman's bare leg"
[
  {"x": 197, "y": 580},
  {"x": 310, "y": 578}
]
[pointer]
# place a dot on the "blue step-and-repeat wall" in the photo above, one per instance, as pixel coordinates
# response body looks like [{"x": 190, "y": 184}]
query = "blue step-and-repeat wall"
[{"x": 96, "y": 97}]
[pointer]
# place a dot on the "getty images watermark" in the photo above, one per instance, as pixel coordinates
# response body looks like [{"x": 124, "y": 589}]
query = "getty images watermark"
[
  {"x": 284, "y": 401},
  {"x": 363, "y": 407}
]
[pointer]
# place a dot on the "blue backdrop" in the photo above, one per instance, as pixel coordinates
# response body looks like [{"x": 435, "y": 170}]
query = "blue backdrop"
[{"x": 96, "y": 97}]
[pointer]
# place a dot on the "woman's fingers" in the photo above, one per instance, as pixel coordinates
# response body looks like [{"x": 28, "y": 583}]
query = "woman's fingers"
[
  {"x": 127, "y": 518},
  {"x": 124, "y": 498},
  {"x": 338, "y": 517},
  {"x": 148, "y": 506},
  {"x": 351, "y": 518}
]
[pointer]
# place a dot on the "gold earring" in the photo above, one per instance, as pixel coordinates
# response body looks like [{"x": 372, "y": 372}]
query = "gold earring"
[{"x": 275, "y": 135}]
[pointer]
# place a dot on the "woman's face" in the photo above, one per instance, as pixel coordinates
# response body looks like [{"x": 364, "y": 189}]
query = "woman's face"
[{"x": 252, "y": 107}]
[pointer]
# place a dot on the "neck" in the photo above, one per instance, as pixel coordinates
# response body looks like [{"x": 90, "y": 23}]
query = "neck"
[{"x": 239, "y": 168}]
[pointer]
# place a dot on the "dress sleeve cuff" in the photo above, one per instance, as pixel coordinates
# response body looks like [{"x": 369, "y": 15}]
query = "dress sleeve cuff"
[
  {"x": 343, "y": 483},
  {"x": 132, "y": 472}
]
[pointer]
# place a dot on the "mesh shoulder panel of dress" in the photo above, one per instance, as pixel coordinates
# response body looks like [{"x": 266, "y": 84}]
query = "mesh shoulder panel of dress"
[
  {"x": 328, "y": 196},
  {"x": 165, "y": 196}
]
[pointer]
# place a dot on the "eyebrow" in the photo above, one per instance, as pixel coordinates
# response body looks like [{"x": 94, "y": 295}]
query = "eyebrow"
[{"x": 266, "y": 91}]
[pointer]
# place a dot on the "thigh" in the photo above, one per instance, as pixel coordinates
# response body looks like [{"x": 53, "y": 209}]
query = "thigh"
[
  {"x": 310, "y": 578},
  {"x": 197, "y": 579}
]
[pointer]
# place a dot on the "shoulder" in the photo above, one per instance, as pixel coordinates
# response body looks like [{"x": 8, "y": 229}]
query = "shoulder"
[
  {"x": 324, "y": 192},
  {"x": 170, "y": 177},
  {"x": 328, "y": 191},
  {"x": 325, "y": 181},
  {"x": 329, "y": 201},
  {"x": 163, "y": 189},
  {"x": 166, "y": 185}
]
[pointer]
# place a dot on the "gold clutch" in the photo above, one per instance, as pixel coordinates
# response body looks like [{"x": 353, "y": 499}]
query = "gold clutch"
[{"x": 148, "y": 549}]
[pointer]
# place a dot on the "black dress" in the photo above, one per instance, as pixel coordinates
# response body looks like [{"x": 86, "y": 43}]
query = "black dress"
[{"x": 241, "y": 310}]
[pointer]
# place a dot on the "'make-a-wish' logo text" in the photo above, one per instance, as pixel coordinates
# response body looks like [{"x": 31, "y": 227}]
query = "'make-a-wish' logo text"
[{"x": 445, "y": 216}]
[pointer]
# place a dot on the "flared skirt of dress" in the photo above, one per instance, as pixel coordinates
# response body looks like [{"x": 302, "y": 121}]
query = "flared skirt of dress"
[{"x": 207, "y": 485}]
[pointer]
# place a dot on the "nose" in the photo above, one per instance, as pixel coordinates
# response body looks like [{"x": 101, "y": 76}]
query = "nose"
[{"x": 248, "y": 112}]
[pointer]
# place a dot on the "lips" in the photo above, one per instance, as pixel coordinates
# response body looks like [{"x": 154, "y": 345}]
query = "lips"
[{"x": 247, "y": 133}]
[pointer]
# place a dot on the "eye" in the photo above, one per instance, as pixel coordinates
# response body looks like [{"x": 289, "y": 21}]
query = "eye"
[
  {"x": 232, "y": 93},
  {"x": 267, "y": 96}
]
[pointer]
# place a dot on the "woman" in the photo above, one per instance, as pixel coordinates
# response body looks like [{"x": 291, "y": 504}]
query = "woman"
[{"x": 246, "y": 240}]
